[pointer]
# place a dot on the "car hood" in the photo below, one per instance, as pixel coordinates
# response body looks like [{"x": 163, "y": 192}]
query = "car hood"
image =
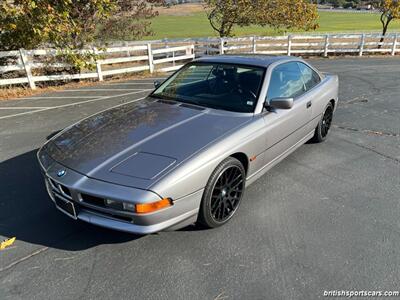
[{"x": 136, "y": 143}]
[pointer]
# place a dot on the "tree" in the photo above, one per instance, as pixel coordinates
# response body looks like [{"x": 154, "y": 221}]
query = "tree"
[
  {"x": 338, "y": 3},
  {"x": 30, "y": 23},
  {"x": 70, "y": 25},
  {"x": 130, "y": 20},
  {"x": 287, "y": 14},
  {"x": 390, "y": 10},
  {"x": 349, "y": 4},
  {"x": 224, "y": 15}
]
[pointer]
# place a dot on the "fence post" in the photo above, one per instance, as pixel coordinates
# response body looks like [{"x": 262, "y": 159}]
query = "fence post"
[
  {"x": 221, "y": 46},
  {"x": 289, "y": 45},
  {"x": 362, "y": 44},
  {"x": 150, "y": 58},
  {"x": 128, "y": 53},
  {"x": 27, "y": 66},
  {"x": 394, "y": 44},
  {"x": 98, "y": 66},
  {"x": 190, "y": 50},
  {"x": 326, "y": 45},
  {"x": 99, "y": 72},
  {"x": 166, "y": 46},
  {"x": 254, "y": 44}
]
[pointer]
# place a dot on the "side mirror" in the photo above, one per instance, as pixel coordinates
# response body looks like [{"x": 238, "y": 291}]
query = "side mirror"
[
  {"x": 280, "y": 103},
  {"x": 157, "y": 83}
]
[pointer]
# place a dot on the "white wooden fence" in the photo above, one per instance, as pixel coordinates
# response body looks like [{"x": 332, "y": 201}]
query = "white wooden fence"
[
  {"x": 169, "y": 55},
  {"x": 325, "y": 44},
  {"x": 114, "y": 60}
]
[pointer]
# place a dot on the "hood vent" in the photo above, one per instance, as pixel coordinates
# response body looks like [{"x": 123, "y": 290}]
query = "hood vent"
[{"x": 143, "y": 165}]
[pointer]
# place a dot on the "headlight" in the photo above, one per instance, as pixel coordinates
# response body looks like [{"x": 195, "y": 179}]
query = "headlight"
[
  {"x": 129, "y": 206},
  {"x": 45, "y": 160},
  {"x": 114, "y": 204}
]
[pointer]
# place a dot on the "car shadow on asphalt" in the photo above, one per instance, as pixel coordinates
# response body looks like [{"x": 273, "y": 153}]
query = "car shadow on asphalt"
[{"x": 27, "y": 213}]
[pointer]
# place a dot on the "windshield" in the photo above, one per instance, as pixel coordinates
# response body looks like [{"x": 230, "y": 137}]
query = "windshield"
[{"x": 221, "y": 86}]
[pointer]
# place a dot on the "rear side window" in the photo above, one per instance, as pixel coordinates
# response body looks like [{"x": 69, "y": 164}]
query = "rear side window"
[
  {"x": 286, "y": 82},
  {"x": 310, "y": 77}
]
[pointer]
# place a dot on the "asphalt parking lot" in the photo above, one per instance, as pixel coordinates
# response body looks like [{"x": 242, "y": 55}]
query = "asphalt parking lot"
[{"x": 326, "y": 218}]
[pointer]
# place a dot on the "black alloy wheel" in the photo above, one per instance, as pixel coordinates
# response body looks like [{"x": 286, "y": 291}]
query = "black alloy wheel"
[
  {"x": 325, "y": 123},
  {"x": 223, "y": 193}
]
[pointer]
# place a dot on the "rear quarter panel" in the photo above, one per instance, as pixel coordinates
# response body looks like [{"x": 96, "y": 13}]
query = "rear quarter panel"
[{"x": 326, "y": 91}]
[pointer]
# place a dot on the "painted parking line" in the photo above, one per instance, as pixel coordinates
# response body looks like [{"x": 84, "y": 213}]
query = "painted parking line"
[
  {"x": 150, "y": 78},
  {"x": 60, "y": 97},
  {"x": 4, "y": 113},
  {"x": 138, "y": 81},
  {"x": 73, "y": 104},
  {"x": 23, "y": 107},
  {"x": 130, "y": 83},
  {"x": 100, "y": 90}
]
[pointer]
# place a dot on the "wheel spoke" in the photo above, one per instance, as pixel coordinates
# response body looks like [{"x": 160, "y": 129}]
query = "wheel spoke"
[
  {"x": 226, "y": 212},
  {"x": 230, "y": 175},
  {"x": 230, "y": 204},
  {"x": 237, "y": 184},
  {"x": 221, "y": 214},
  {"x": 236, "y": 178},
  {"x": 219, "y": 211},
  {"x": 215, "y": 204}
]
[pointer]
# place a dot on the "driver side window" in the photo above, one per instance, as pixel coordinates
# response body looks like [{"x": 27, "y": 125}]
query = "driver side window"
[{"x": 286, "y": 82}]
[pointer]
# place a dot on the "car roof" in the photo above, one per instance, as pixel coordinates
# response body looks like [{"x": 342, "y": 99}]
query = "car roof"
[{"x": 244, "y": 59}]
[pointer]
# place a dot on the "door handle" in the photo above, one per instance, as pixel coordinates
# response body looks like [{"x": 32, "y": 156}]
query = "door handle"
[{"x": 309, "y": 104}]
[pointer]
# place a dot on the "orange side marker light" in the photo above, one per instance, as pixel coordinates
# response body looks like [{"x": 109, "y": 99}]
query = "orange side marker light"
[{"x": 144, "y": 208}]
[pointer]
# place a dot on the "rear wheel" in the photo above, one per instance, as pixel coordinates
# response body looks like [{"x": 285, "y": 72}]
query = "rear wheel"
[
  {"x": 223, "y": 193},
  {"x": 321, "y": 132}
]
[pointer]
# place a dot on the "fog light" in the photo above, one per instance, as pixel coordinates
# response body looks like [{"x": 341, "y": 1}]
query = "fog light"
[
  {"x": 154, "y": 206},
  {"x": 113, "y": 204},
  {"x": 129, "y": 206}
]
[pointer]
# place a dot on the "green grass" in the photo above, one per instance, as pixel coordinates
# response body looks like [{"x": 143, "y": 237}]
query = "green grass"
[{"x": 196, "y": 25}]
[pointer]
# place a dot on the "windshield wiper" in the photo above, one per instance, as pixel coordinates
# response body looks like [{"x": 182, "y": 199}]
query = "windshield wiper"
[
  {"x": 166, "y": 97},
  {"x": 160, "y": 96}
]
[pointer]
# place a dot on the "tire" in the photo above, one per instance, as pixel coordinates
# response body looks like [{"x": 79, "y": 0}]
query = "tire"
[
  {"x": 223, "y": 193},
  {"x": 322, "y": 129}
]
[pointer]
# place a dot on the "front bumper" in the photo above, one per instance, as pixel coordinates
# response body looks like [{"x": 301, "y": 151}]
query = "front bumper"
[{"x": 72, "y": 186}]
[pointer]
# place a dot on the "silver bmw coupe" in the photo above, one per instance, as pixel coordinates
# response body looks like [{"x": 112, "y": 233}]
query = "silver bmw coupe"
[{"x": 186, "y": 153}]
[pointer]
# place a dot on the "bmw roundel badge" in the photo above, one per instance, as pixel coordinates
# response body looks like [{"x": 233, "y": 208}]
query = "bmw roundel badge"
[{"x": 61, "y": 173}]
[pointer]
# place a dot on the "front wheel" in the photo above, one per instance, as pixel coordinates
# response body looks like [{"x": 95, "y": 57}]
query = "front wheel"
[
  {"x": 321, "y": 132},
  {"x": 223, "y": 193}
]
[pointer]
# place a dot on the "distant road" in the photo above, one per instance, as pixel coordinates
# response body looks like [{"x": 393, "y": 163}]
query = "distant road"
[{"x": 343, "y": 10}]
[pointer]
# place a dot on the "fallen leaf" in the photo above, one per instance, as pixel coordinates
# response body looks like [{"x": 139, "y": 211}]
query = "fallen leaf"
[{"x": 7, "y": 243}]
